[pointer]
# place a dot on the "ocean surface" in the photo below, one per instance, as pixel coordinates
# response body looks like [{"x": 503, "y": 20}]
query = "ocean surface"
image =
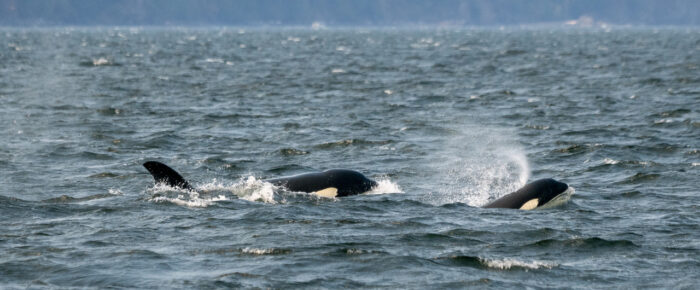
[{"x": 446, "y": 119}]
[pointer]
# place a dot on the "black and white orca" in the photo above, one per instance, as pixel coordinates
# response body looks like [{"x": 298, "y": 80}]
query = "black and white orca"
[
  {"x": 329, "y": 183},
  {"x": 541, "y": 193}
]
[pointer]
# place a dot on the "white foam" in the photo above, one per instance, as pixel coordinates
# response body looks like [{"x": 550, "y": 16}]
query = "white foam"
[
  {"x": 613, "y": 162},
  {"x": 100, "y": 61},
  {"x": 355, "y": 251},
  {"x": 191, "y": 201},
  {"x": 264, "y": 251},
  {"x": 385, "y": 186},
  {"x": 662, "y": 121},
  {"x": 162, "y": 193},
  {"x": 159, "y": 188},
  {"x": 610, "y": 161},
  {"x": 256, "y": 251},
  {"x": 214, "y": 60},
  {"x": 113, "y": 191},
  {"x": 506, "y": 264},
  {"x": 250, "y": 189}
]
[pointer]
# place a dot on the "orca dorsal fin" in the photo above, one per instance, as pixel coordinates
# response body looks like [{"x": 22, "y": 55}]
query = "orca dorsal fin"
[{"x": 164, "y": 174}]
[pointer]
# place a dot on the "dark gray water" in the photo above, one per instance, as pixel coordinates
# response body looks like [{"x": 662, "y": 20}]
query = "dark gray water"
[{"x": 446, "y": 119}]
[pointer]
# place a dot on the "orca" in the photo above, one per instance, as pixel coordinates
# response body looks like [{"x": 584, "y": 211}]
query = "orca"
[
  {"x": 329, "y": 183},
  {"x": 543, "y": 193}
]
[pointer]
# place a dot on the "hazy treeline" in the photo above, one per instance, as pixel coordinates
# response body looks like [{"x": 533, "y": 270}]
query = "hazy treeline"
[{"x": 344, "y": 12}]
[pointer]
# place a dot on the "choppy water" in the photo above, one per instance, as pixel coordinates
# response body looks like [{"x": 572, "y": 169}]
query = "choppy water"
[{"x": 447, "y": 119}]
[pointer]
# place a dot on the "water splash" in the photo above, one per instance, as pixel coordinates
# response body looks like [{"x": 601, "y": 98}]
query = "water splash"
[
  {"x": 162, "y": 193},
  {"x": 206, "y": 194},
  {"x": 384, "y": 186},
  {"x": 250, "y": 188},
  {"x": 477, "y": 165}
]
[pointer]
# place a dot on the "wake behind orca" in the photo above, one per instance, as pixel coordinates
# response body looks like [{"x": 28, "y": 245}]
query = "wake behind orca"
[{"x": 342, "y": 182}]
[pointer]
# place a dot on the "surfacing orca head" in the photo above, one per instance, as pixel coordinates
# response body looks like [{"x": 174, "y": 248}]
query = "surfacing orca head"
[
  {"x": 546, "y": 189},
  {"x": 534, "y": 195},
  {"x": 349, "y": 182}
]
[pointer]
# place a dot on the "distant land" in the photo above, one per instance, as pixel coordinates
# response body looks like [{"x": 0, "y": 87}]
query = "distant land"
[{"x": 322, "y": 13}]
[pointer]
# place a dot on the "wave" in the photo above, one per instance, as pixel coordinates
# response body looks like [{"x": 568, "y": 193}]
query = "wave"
[
  {"x": 497, "y": 264},
  {"x": 356, "y": 252},
  {"x": 639, "y": 178},
  {"x": 506, "y": 264},
  {"x": 69, "y": 199},
  {"x": 610, "y": 161},
  {"x": 351, "y": 142},
  {"x": 244, "y": 251},
  {"x": 264, "y": 251},
  {"x": 584, "y": 243},
  {"x": 292, "y": 152},
  {"x": 101, "y": 61}
]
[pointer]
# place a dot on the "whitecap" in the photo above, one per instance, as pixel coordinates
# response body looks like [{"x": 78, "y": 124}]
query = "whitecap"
[
  {"x": 100, "y": 61},
  {"x": 114, "y": 191},
  {"x": 663, "y": 121},
  {"x": 507, "y": 263},
  {"x": 263, "y": 251},
  {"x": 610, "y": 161},
  {"x": 214, "y": 60}
]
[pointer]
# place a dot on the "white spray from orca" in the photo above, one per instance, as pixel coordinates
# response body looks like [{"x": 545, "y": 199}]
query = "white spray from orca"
[{"x": 478, "y": 164}]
